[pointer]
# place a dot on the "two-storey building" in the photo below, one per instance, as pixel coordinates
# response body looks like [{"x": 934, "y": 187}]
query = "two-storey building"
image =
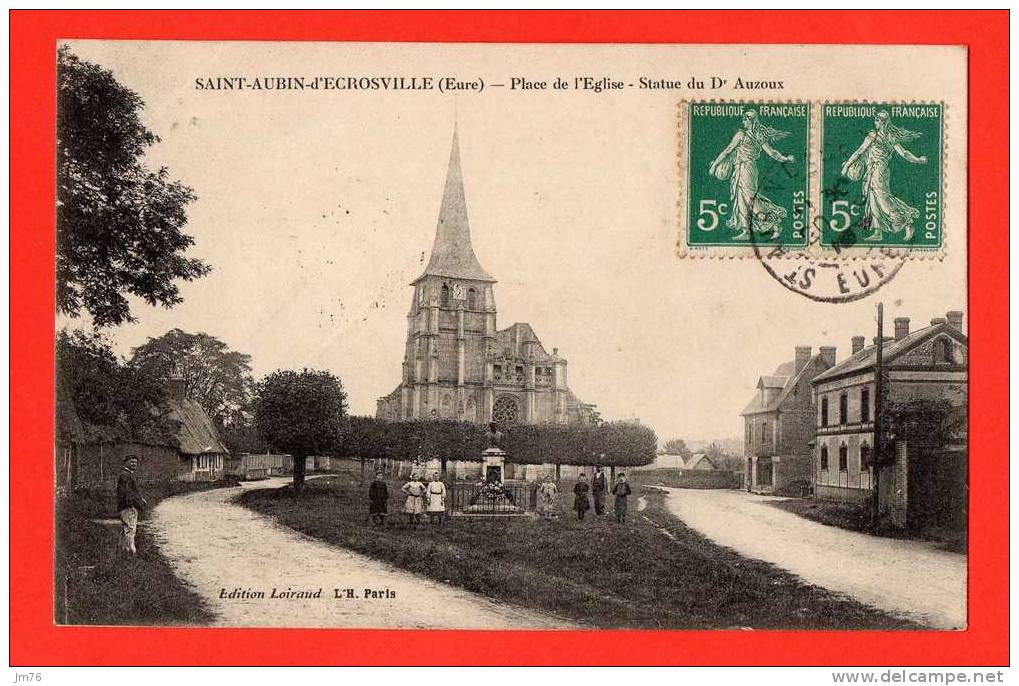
[
  {"x": 929, "y": 364},
  {"x": 779, "y": 424}
]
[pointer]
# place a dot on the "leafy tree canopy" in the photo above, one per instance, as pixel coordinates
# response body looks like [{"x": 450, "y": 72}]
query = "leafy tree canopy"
[
  {"x": 102, "y": 398},
  {"x": 677, "y": 446},
  {"x": 217, "y": 378},
  {"x": 119, "y": 224},
  {"x": 300, "y": 413}
]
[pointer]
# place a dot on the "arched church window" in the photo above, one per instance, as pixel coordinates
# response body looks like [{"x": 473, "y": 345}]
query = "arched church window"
[
  {"x": 472, "y": 299},
  {"x": 506, "y": 410},
  {"x": 445, "y": 295},
  {"x": 471, "y": 411}
]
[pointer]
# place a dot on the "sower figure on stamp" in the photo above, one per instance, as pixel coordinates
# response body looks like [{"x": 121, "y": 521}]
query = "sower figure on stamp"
[
  {"x": 599, "y": 484},
  {"x": 129, "y": 503},
  {"x": 882, "y": 211},
  {"x": 378, "y": 499},
  {"x": 580, "y": 500},
  {"x": 621, "y": 490},
  {"x": 750, "y": 210}
]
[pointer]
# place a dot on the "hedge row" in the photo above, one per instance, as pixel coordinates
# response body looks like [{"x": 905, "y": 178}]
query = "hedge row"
[{"x": 610, "y": 444}]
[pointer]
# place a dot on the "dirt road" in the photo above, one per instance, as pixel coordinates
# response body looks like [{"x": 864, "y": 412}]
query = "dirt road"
[
  {"x": 219, "y": 547},
  {"x": 911, "y": 579}
]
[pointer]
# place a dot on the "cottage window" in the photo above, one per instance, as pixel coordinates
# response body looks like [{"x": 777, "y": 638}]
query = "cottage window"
[
  {"x": 864, "y": 404},
  {"x": 445, "y": 295},
  {"x": 843, "y": 409},
  {"x": 824, "y": 411},
  {"x": 843, "y": 458},
  {"x": 824, "y": 458}
]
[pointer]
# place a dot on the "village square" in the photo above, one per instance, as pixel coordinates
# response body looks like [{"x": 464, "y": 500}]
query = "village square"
[{"x": 481, "y": 490}]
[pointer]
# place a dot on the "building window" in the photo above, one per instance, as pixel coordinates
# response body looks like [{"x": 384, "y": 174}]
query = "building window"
[
  {"x": 864, "y": 457},
  {"x": 764, "y": 432},
  {"x": 843, "y": 409},
  {"x": 824, "y": 411},
  {"x": 824, "y": 458},
  {"x": 472, "y": 299},
  {"x": 843, "y": 458},
  {"x": 445, "y": 295},
  {"x": 943, "y": 350},
  {"x": 864, "y": 405}
]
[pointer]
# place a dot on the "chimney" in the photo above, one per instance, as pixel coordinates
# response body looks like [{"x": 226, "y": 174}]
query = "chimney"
[
  {"x": 802, "y": 357},
  {"x": 859, "y": 343},
  {"x": 938, "y": 320},
  {"x": 901, "y": 328},
  {"x": 828, "y": 354},
  {"x": 954, "y": 319}
]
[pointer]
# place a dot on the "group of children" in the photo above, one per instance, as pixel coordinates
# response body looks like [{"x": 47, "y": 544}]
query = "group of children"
[
  {"x": 430, "y": 498},
  {"x": 422, "y": 499}
]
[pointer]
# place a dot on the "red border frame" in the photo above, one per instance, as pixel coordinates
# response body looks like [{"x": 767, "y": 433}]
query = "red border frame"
[{"x": 34, "y": 640}]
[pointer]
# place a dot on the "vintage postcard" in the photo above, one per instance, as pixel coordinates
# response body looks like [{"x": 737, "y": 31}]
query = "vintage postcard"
[{"x": 507, "y": 336}]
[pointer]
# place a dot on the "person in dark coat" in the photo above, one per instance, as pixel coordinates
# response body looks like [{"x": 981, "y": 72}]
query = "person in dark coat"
[
  {"x": 130, "y": 503},
  {"x": 621, "y": 489},
  {"x": 580, "y": 501},
  {"x": 598, "y": 487},
  {"x": 378, "y": 500}
]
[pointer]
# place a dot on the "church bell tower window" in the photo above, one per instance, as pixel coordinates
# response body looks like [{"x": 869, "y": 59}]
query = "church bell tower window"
[{"x": 445, "y": 295}]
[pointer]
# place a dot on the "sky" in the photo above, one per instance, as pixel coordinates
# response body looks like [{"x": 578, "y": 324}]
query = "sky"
[{"x": 317, "y": 210}]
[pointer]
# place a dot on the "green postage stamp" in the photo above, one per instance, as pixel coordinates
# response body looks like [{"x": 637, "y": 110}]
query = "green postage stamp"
[
  {"x": 824, "y": 179},
  {"x": 881, "y": 182},
  {"x": 748, "y": 182}
]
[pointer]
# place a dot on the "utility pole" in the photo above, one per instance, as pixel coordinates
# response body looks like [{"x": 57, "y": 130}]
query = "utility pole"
[{"x": 876, "y": 461}]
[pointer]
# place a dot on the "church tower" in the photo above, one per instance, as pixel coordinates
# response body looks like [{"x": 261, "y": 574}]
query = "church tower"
[
  {"x": 451, "y": 323},
  {"x": 457, "y": 364}
]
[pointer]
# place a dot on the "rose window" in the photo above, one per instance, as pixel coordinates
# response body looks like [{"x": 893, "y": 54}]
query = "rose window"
[{"x": 506, "y": 410}]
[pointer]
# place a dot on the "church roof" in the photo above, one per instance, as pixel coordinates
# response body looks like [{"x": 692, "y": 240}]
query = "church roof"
[{"x": 452, "y": 253}]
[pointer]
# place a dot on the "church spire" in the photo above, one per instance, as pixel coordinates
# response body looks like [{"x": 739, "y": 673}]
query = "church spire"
[{"x": 452, "y": 253}]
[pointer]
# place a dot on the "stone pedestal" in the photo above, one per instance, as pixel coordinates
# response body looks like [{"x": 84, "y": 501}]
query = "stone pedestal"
[{"x": 494, "y": 465}]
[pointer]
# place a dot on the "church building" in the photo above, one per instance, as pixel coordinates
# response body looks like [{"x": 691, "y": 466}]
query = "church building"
[{"x": 457, "y": 363}]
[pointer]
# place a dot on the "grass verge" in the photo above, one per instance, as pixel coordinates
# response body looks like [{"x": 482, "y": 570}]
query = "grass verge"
[
  {"x": 597, "y": 572},
  {"x": 97, "y": 584},
  {"x": 857, "y": 518}
]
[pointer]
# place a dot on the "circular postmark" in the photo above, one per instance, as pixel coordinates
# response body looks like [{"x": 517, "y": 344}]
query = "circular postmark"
[{"x": 827, "y": 274}]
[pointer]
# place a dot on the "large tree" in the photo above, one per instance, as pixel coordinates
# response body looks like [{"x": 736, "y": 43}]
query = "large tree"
[
  {"x": 218, "y": 378},
  {"x": 300, "y": 413},
  {"x": 677, "y": 446},
  {"x": 119, "y": 223},
  {"x": 111, "y": 400}
]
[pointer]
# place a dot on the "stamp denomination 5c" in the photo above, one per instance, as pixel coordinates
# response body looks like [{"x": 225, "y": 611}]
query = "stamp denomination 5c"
[
  {"x": 747, "y": 175},
  {"x": 881, "y": 176}
]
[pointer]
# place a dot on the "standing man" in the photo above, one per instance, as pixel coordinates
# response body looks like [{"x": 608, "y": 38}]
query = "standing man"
[
  {"x": 580, "y": 502},
  {"x": 621, "y": 489},
  {"x": 598, "y": 487},
  {"x": 129, "y": 503}
]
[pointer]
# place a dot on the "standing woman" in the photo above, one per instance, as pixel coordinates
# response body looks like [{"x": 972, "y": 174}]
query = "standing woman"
[
  {"x": 415, "y": 492},
  {"x": 436, "y": 499},
  {"x": 547, "y": 493},
  {"x": 581, "y": 503},
  {"x": 378, "y": 499},
  {"x": 621, "y": 490}
]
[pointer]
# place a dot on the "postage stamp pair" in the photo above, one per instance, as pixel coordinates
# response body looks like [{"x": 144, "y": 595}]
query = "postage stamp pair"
[{"x": 833, "y": 178}]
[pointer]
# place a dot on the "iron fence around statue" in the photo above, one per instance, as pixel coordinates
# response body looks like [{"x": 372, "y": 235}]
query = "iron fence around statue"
[{"x": 508, "y": 498}]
